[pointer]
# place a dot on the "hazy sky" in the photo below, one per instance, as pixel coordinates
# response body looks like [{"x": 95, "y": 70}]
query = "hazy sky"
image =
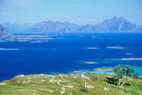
[{"x": 76, "y": 11}]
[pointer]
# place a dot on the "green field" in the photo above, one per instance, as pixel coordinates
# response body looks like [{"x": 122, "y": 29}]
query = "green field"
[{"x": 91, "y": 84}]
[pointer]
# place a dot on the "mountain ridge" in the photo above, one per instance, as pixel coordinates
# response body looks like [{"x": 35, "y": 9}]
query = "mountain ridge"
[
  {"x": 116, "y": 24},
  {"x": 113, "y": 25}
]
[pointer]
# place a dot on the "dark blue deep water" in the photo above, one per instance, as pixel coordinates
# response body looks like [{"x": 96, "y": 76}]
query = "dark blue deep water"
[{"x": 68, "y": 52}]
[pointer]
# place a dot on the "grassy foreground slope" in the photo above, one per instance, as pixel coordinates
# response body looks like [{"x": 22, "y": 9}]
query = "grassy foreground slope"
[{"x": 92, "y": 84}]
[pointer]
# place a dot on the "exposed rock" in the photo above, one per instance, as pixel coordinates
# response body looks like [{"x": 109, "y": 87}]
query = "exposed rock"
[
  {"x": 68, "y": 86},
  {"x": 106, "y": 89},
  {"x": 4, "y": 35},
  {"x": 2, "y": 83}
]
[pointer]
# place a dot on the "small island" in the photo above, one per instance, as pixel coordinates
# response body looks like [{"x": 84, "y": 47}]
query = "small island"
[
  {"x": 89, "y": 62},
  {"x": 104, "y": 69}
]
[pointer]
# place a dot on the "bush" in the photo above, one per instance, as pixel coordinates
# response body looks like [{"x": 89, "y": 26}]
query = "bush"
[
  {"x": 85, "y": 90},
  {"x": 125, "y": 70},
  {"x": 136, "y": 76},
  {"x": 121, "y": 71}
]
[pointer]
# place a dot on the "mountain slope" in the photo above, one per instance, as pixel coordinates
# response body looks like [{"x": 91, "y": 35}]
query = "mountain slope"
[
  {"x": 4, "y": 35},
  {"x": 92, "y": 84},
  {"x": 87, "y": 29},
  {"x": 116, "y": 24},
  {"x": 17, "y": 28},
  {"x": 54, "y": 27}
]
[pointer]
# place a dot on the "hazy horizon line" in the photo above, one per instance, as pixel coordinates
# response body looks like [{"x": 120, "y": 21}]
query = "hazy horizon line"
[{"x": 67, "y": 22}]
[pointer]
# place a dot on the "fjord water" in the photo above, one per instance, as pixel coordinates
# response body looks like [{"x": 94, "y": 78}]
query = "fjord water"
[{"x": 68, "y": 52}]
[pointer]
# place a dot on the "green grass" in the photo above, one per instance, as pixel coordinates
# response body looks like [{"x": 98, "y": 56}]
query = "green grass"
[{"x": 67, "y": 85}]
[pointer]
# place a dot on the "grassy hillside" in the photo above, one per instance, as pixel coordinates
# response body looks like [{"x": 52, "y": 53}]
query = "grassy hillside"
[{"x": 92, "y": 84}]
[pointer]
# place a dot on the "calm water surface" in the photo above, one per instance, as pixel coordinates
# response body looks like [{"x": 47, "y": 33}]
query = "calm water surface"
[{"x": 68, "y": 52}]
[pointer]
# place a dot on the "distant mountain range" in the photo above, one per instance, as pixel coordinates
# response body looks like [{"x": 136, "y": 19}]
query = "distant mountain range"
[
  {"x": 52, "y": 27},
  {"x": 114, "y": 25}
]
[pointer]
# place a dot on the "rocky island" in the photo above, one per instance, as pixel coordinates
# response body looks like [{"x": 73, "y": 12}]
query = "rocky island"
[{"x": 4, "y": 34}]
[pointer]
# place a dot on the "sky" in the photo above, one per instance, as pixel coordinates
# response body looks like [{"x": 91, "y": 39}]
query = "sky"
[{"x": 76, "y": 11}]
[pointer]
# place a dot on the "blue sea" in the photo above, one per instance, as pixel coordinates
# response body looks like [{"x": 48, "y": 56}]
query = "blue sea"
[{"x": 64, "y": 53}]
